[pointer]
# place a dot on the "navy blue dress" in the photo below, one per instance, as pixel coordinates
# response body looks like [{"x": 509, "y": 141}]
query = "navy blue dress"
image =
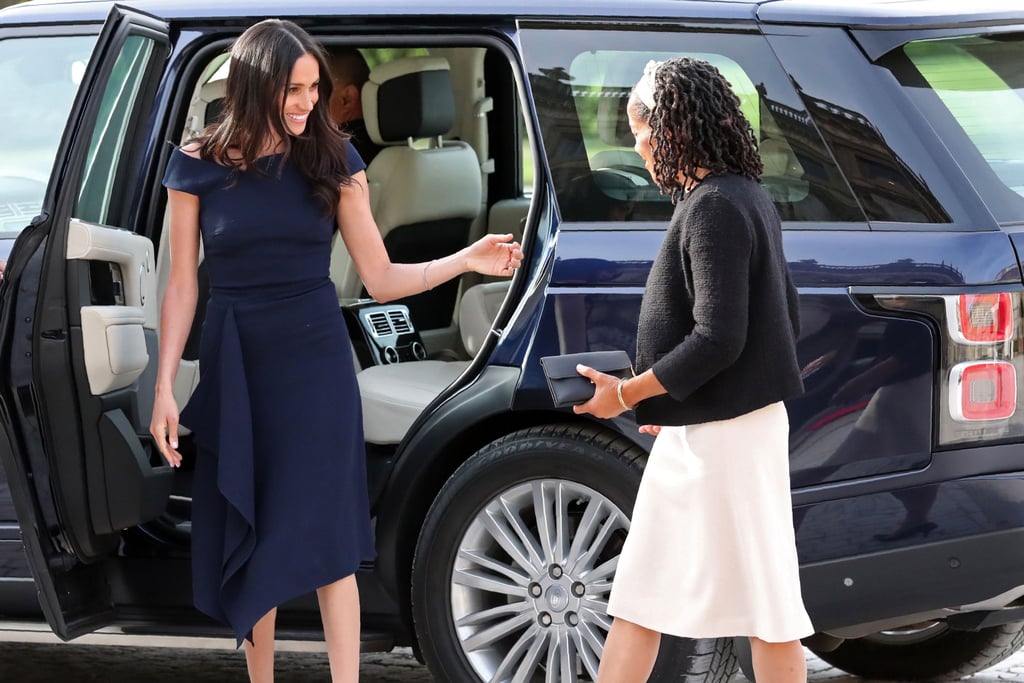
[{"x": 280, "y": 503}]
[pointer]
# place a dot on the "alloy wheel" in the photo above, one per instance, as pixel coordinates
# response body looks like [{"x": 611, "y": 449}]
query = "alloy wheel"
[{"x": 530, "y": 583}]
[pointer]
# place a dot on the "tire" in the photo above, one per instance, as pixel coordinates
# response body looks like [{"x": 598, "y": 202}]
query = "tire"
[
  {"x": 476, "y": 615},
  {"x": 926, "y": 651}
]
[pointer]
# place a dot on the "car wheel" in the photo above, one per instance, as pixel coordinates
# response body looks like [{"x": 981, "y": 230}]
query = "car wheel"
[
  {"x": 926, "y": 650},
  {"x": 515, "y": 562}
]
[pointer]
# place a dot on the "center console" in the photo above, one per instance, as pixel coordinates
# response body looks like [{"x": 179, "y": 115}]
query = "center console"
[{"x": 382, "y": 334}]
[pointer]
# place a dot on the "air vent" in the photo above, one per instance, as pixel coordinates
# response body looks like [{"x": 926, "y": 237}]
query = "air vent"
[
  {"x": 380, "y": 324},
  {"x": 400, "y": 321}
]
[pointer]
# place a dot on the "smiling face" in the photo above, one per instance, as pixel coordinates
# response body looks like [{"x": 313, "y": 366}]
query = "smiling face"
[
  {"x": 301, "y": 94},
  {"x": 641, "y": 129}
]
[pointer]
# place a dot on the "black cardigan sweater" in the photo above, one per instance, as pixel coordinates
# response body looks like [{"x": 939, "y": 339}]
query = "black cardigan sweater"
[{"x": 719, "y": 317}]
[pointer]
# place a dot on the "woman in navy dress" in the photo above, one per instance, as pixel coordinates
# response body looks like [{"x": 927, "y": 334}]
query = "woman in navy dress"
[{"x": 280, "y": 500}]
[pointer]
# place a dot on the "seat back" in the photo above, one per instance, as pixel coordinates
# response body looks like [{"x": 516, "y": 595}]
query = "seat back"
[
  {"x": 424, "y": 197},
  {"x": 477, "y": 310}
]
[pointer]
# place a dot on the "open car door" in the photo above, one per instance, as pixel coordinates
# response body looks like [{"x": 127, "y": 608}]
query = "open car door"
[{"x": 78, "y": 325}]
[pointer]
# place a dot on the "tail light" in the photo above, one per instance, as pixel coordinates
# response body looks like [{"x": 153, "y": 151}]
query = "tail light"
[
  {"x": 980, "y": 363},
  {"x": 980, "y": 318},
  {"x": 982, "y": 390}
]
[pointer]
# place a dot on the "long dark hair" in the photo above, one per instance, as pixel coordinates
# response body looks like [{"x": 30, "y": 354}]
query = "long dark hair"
[
  {"x": 696, "y": 123},
  {"x": 261, "y": 64}
]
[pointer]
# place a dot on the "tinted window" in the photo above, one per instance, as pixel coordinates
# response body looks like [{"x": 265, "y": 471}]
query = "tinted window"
[
  {"x": 106, "y": 151},
  {"x": 38, "y": 78},
  {"x": 972, "y": 90},
  {"x": 581, "y": 94}
]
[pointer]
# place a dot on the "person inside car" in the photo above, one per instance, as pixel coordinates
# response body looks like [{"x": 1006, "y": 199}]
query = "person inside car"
[
  {"x": 349, "y": 72},
  {"x": 280, "y": 502}
]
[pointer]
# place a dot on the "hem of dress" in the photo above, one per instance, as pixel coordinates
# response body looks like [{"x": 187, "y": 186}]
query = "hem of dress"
[
  {"x": 738, "y": 629},
  {"x": 285, "y": 596}
]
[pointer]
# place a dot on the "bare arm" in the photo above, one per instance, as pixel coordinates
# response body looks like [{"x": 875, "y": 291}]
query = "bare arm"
[
  {"x": 387, "y": 281},
  {"x": 177, "y": 312}
]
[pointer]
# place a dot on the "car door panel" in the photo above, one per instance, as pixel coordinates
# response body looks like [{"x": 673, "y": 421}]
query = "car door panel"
[
  {"x": 79, "y": 322},
  {"x": 113, "y": 336}
]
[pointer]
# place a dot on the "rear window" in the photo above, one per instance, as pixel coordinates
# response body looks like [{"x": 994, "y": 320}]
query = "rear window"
[
  {"x": 39, "y": 77},
  {"x": 971, "y": 88}
]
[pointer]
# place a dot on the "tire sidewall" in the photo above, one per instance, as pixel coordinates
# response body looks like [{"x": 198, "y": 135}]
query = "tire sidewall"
[{"x": 951, "y": 654}]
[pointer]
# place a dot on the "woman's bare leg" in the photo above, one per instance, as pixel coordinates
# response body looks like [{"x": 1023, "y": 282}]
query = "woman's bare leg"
[
  {"x": 778, "y": 662},
  {"x": 629, "y": 653},
  {"x": 259, "y": 655},
  {"x": 339, "y": 609}
]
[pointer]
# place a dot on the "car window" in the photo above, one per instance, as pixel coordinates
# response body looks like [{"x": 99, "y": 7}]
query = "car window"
[
  {"x": 39, "y": 77},
  {"x": 978, "y": 82},
  {"x": 105, "y": 156},
  {"x": 581, "y": 96}
]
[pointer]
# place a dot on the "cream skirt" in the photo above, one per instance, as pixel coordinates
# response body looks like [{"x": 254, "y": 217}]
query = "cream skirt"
[{"x": 711, "y": 549}]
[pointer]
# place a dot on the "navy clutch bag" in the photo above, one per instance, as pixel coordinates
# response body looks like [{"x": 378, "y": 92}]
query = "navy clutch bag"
[{"x": 568, "y": 387}]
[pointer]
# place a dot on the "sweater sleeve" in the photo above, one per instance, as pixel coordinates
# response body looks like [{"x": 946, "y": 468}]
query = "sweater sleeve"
[{"x": 717, "y": 242}]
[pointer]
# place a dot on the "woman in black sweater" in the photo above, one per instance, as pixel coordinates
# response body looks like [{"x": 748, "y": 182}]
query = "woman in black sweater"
[{"x": 711, "y": 549}]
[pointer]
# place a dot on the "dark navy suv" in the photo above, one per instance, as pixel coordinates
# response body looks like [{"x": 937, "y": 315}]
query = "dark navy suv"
[{"x": 892, "y": 135}]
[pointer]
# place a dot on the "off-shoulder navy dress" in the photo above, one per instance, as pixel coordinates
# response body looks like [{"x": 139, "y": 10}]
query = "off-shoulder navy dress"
[{"x": 279, "y": 502}]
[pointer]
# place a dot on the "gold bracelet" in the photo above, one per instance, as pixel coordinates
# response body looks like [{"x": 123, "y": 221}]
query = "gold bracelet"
[
  {"x": 426, "y": 285},
  {"x": 618, "y": 392}
]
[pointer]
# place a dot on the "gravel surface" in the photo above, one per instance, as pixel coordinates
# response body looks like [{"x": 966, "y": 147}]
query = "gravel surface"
[{"x": 70, "y": 663}]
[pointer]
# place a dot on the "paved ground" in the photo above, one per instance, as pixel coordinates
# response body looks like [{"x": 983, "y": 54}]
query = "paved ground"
[{"x": 64, "y": 663}]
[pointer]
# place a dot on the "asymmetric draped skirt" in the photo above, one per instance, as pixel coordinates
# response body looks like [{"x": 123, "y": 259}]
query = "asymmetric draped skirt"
[{"x": 280, "y": 504}]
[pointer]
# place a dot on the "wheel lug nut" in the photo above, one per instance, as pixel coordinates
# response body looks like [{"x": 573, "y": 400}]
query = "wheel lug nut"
[
  {"x": 572, "y": 619},
  {"x": 536, "y": 590},
  {"x": 555, "y": 571},
  {"x": 578, "y": 589},
  {"x": 545, "y": 619}
]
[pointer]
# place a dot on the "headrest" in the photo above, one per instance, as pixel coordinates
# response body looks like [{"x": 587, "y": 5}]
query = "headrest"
[
  {"x": 408, "y": 98},
  {"x": 205, "y": 108},
  {"x": 214, "y": 109},
  {"x": 778, "y": 158},
  {"x": 612, "y": 121}
]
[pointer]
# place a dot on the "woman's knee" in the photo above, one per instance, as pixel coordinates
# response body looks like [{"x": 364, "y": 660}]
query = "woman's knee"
[{"x": 634, "y": 630}]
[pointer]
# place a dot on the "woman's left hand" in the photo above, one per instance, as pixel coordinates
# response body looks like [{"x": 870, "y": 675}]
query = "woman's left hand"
[
  {"x": 605, "y": 402},
  {"x": 494, "y": 255}
]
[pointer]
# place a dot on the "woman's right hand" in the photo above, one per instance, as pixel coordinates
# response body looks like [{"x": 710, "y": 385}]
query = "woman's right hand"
[
  {"x": 650, "y": 429},
  {"x": 164, "y": 428}
]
